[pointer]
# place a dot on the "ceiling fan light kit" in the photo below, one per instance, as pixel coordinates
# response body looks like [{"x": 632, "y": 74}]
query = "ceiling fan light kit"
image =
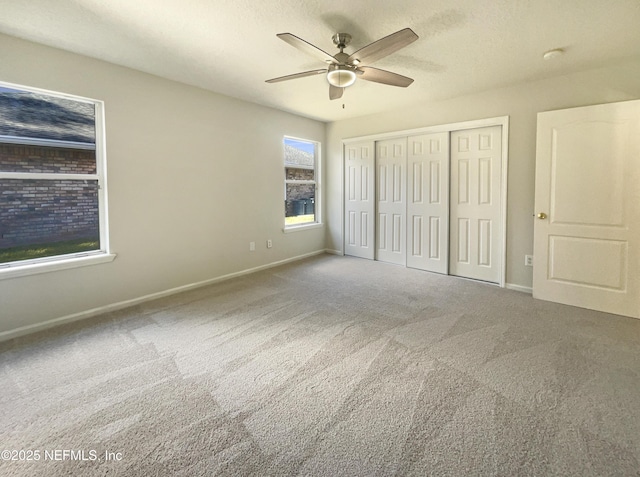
[
  {"x": 343, "y": 69},
  {"x": 340, "y": 76}
]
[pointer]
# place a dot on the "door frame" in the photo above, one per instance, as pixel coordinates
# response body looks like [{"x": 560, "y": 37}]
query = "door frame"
[{"x": 502, "y": 121}]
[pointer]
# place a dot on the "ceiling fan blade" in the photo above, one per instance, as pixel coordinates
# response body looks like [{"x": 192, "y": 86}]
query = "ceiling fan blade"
[
  {"x": 307, "y": 47},
  {"x": 383, "y": 47},
  {"x": 335, "y": 92},
  {"x": 385, "y": 77},
  {"x": 297, "y": 75}
]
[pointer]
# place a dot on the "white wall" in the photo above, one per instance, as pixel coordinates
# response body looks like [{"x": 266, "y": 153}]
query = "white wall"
[
  {"x": 617, "y": 82},
  {"x": 193, "y": 178}
]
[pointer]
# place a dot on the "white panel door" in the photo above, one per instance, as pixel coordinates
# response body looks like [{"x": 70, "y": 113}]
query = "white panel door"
[
  {"x": 391, "y": 179},
  {"x": 359, "y": 200},
  {"x": 475, "y": 219},
  {"x": 428, "y": 202},
  {"x": 587, "y": 236}
]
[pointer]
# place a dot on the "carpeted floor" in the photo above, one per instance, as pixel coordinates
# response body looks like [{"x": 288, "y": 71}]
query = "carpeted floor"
[{"x": 329, "y": 366}]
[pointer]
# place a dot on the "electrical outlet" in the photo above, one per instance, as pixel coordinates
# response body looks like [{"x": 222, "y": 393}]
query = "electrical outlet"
[
  {"x": 528, "y": 260},
  {"x": 269, "y": 243},
  {"x": 252, "y": 246}
]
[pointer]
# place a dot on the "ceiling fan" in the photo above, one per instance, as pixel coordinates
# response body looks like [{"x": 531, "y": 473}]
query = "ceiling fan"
[{"x": 343, "y": 68}]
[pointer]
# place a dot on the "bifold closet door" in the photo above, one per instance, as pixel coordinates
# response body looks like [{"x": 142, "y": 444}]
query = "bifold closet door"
[
  {"x": 475, "y": 211},
  {"x": 391, "y": 192},
  {"x": 359, "y": 200},
  {"x": 428, "y": 202}
]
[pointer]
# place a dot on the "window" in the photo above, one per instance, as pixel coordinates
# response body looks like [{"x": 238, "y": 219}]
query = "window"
[
  {"x": 52, "y": 178},
  {"x": 301, "y": 198}
]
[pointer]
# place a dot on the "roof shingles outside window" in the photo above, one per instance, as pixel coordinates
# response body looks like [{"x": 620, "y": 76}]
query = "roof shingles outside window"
[
  {"x": 297, "y": 158},
  {"x": 37, "y": 116}
]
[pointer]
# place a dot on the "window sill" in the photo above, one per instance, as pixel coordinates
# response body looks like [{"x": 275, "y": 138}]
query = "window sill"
[
  {"x": 300, "y": 228},
  {"x": 55, "y": 265}
]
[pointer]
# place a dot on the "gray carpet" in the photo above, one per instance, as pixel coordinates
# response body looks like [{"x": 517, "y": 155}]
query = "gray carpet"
[{"x": 329, "y": 366}]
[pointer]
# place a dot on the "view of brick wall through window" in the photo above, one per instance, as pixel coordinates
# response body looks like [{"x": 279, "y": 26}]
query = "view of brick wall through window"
[{"x": 36, "y": 211}]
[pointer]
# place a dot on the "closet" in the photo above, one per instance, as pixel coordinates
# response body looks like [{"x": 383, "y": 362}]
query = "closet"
[{"x": 431, "y": 201}]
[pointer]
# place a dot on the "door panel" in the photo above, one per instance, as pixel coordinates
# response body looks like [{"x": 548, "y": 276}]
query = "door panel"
[
  {"x": 586, "y": 248},
  {"x": 567, "y": 264},
  {"x": 605, "y": 203},
  {"x": 476, "y": 168},
  {"x": 464, "y": 241},
  {"x": 391, "y": 160},
  {"x": 428, "y": 202},
  {"x": 359, "y": 200},
  {"x": 437, "y": 246},
  {"x": 484, "y": 242}
]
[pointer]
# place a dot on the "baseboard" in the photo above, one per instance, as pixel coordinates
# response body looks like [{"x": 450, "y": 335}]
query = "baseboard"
[
  {"x": 334, "y": 252},
  {"x": 520, "y": 288},
  {"x": 25, "y": 330}
]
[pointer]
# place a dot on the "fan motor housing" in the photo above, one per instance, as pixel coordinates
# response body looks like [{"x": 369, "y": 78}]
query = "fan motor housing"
[{"x": 341, "y": 58}]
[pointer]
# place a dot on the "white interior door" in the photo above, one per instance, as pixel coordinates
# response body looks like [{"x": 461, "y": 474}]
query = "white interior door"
[
  {"x": 475, "y": 212},
  {"x": 359, "y": 199},
  {"x": 391, "y": 179},
  {"x": 428, "y": 202},
  {"x": 586, "y": 245}
]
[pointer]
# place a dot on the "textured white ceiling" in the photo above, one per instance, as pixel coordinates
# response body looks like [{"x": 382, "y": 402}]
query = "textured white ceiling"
[{"x": 230, "y": 46}]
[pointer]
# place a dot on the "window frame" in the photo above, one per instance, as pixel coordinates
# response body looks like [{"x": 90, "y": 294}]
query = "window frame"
[
  {"x": 317, "y": 222},
  {"x": 78, "y": 259}
]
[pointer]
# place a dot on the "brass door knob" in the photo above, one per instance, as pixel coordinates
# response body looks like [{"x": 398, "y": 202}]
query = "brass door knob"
[{"x": 542, "y": 215}]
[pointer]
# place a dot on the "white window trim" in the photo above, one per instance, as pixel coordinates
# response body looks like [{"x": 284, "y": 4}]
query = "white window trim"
[
  {"x": 317, "y": 223},
  {"x": 300, "y": 227},
  {"x": 59, "y": 262},
  {"x": 81, "y": 259},
  {"x": 28, "y": 141}
]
